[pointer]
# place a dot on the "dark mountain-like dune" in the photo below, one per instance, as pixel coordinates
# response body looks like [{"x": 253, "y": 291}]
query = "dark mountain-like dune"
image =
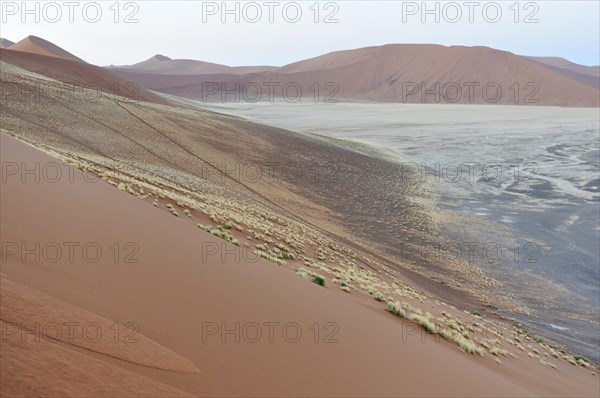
[
  {"x": 403, "y": 72},
  {"x": 5, "y": 43}
]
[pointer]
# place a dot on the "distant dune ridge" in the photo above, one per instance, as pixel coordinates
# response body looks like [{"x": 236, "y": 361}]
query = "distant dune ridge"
[
  {"x": 401, "y": 73},
  {"x": 410, "y": 73},
  {"x": 5, "y": 43}
]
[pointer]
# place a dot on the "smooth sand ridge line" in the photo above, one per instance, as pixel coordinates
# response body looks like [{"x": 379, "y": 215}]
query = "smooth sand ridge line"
[
  {"x": 175, "y": 290},
  {"x": 40, "y": 313},
  {"x": 40, "y": 368}
]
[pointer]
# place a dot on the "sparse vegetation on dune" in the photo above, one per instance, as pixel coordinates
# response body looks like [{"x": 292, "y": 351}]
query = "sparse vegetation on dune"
[
  {"x": 347, "y": 271},
  {"x": 225, "y": 208},
  {"x": 427, "y": 323}
]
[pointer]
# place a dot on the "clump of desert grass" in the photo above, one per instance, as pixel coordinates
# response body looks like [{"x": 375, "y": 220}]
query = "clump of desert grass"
[
  {"x": 378, "y": 296},
  {"x": 424, "y": 321},
  {"x": 303, "y": 272},
  {"x": 496, "y": 351},
  {"x": 319, "y": 280},
  {"x": 172, "y": 210},
  {"x": 469, "y": 346},
  {"x": 583, "y": 361},
  {"x": 450, "y": 334},
  {"x": 262, "y": 250},
  {"x": 268, "y": 256},
  {"x": 396, "y": 309},
  {"x": 220, "y": 233}
]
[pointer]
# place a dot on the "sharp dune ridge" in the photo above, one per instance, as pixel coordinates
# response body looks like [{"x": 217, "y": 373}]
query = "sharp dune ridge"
[
  {"x": 216, "y": 243},
  {"x": 37, "y": 45}
]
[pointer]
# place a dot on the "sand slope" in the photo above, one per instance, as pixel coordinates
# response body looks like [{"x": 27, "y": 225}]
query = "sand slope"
[{"x": 171, "y": 291}]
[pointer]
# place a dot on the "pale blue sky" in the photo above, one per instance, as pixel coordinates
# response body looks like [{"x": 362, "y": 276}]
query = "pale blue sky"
[{"x": 568, "y": 29}]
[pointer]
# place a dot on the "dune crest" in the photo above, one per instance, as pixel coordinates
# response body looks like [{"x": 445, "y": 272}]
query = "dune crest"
[{"x": 37, "y": 45}]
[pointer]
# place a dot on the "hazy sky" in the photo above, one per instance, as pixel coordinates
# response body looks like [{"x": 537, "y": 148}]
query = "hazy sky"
[{"x": 280, "y": 32}]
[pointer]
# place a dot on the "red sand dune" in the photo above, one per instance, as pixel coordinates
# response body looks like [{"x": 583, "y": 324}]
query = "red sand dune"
[
  {"x": 387, "y": 73},
  {"x": 37, "y": 45},
  {"x": 175, "y": 288},
  {"x": 159, "y": 64},
  {"x": 79, "y": 74}
]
